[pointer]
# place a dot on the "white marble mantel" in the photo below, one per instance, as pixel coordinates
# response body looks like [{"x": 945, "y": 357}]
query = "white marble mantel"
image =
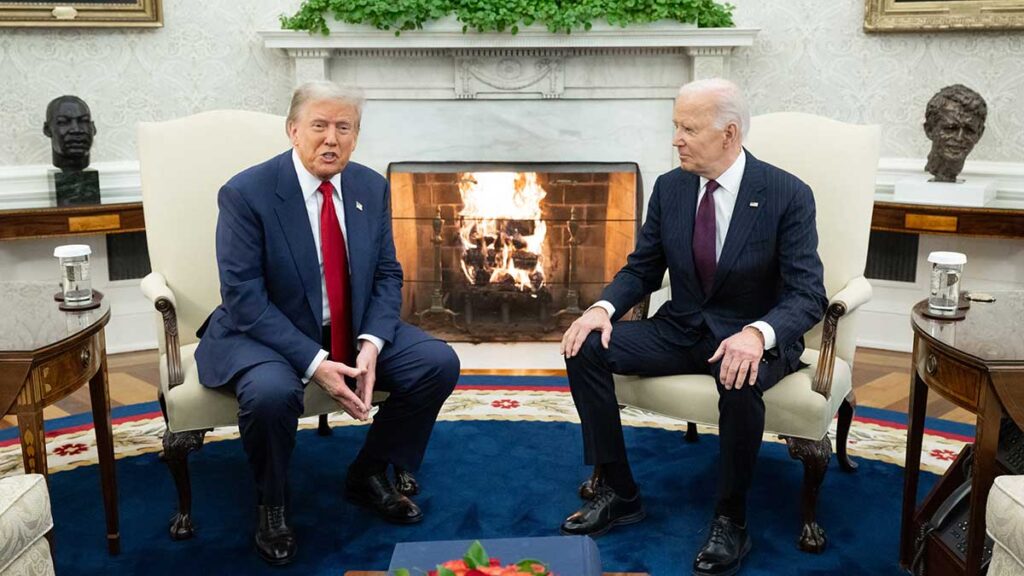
[{"x": 441, "y": 63}]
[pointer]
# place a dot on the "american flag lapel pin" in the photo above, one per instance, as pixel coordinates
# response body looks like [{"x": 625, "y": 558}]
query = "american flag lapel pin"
[{"x": 359, "y": 205}]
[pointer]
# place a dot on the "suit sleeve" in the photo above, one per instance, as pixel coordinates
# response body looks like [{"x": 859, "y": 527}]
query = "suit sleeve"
[
  {"x": 382, "y": 314},
  {"x": 240, "y": 242},
  {"x": 645, "y": 267},
  {"x": 802, "y": 299}
]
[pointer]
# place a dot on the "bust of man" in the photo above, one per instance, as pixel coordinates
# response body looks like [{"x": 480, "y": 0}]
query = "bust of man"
[
  {"x": 70, "y": 128},
  {"x": 954, "y": 121}
]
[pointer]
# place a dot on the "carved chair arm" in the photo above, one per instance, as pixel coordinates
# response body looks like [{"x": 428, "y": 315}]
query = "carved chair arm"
[
  {"x": 154, "y": 286},
  {"x": 855, "y": 293}
]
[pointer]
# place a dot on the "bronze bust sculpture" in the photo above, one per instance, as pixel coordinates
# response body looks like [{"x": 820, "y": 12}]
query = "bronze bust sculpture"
[
  {"x": 954, "y": 121},
  {"x": 70, "y": 128}
]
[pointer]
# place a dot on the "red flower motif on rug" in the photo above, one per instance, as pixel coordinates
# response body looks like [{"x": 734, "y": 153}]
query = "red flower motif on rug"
[
  {"x": 70, "y": 449},
  {"x": 944, "y": 455},
  {"x": 505, "y": 404}
]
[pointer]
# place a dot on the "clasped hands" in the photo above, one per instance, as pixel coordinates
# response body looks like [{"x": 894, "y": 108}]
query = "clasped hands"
[
  {"x": 330, "y": 376},
  {"x": 740, "y": 353}
]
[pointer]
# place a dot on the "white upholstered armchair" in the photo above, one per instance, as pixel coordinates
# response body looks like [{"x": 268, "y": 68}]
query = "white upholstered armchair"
[
  {"x": 184, "y": 162},
  {"x": 838, "y": 161}
]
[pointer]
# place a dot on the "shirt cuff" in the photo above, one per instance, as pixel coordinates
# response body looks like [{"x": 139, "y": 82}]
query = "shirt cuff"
[
  {"x": 372, "y": 340},
  {"x": 606, "y": 305},
  {"x": 317, "y": 360},
  {"x": 767, "y": 331}
]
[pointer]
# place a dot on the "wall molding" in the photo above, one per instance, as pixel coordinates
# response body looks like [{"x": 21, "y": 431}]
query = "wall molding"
[{"x": 29, "y": 186}]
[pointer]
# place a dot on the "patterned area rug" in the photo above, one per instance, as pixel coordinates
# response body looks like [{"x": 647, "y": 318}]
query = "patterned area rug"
[
  {"x": 876, "y": 434},
  {"x": 504, "y": 461}
]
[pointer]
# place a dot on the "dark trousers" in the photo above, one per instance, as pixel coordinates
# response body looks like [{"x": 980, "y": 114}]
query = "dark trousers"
[
  {"x": 418, "y": 378},
  {"x": 650, "y": 348}
]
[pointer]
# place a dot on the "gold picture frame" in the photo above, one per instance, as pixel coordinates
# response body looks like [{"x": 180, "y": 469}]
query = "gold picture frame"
[
  {"x": 96, "y": 14},
  {"x": 942, "y": 15}
]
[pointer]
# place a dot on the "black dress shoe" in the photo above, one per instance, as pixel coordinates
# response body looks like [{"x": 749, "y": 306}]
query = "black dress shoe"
[
  {"x": 605, "y": 511},
  {"x": 378, "y": 493},
  {"x": 727, "y": 544},
  {"x": 275, "y": 540},
  {"x": 406, "y": 483}
]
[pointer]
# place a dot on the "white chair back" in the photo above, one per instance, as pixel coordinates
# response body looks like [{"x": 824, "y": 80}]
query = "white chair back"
[
  {"x": 183, "y": 163},
  {"x": 839, "y": 162}
]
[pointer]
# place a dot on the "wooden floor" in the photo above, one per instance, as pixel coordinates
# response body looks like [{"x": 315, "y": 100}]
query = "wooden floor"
[{"x": 881, "y": 379}]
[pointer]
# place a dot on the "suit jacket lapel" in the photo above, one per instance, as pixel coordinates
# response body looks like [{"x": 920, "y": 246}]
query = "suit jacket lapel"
[
  {"x": 744, "y": 215},
  {"x": 291, "y": 212},
  {"x": 356, "y": 227}
]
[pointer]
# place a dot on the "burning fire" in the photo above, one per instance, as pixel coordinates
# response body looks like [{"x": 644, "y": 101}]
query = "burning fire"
[{"x": 502, "y": 230}]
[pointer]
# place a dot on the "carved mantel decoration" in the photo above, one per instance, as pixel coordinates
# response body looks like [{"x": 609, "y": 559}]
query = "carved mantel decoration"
[{"x": 441, "y": 63}]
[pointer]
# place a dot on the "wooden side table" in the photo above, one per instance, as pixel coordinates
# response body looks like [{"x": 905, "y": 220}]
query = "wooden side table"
[
  {"x": 45, "y": 355},
  {"x": 978, "y": 364}
]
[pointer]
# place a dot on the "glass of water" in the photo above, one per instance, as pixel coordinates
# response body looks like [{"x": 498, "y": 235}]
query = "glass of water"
[
  {"x": 947, "y": 270},
  {"x": 74, "y": 274}
]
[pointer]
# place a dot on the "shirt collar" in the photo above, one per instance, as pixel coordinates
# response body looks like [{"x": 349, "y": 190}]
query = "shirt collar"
[
  {"x": 309, "y": 183},
  {"x": 730, "y": 179}
]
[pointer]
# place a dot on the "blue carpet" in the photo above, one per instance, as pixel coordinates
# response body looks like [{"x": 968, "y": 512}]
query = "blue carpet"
[{"x": 483, "y": 479}]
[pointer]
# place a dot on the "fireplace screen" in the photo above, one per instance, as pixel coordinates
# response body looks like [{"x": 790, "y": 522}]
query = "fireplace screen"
[{"x": 502, "y": 252}]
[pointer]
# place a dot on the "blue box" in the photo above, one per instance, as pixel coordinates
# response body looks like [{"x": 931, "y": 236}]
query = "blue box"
[{"x": 564, "y": 555}]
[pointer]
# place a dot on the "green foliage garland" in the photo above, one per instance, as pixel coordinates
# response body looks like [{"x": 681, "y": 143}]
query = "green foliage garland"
[{"x": 506, "y": 15}]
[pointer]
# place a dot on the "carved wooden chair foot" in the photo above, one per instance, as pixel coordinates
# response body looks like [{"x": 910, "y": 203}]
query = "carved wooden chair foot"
[
  {"x": 323, "y": 428},
  {"x": 815, "y": 456},
  {"x": 846, "y": 410},
  {"x": 177, "y": 447},
  {"x": 691, "y": 432}
]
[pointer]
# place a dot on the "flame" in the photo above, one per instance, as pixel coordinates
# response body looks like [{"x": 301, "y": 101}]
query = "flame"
[{"x": 494, "y": 205}]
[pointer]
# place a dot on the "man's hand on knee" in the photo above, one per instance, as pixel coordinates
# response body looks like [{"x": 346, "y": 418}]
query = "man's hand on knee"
[
  {"x": 331, "y": 377},
  {"x": 594, "y": 319},
  {"x": 741, "y": 357}
]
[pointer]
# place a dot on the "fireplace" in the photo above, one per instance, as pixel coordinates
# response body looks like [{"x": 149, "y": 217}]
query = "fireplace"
[{"x": 509, "y": 252}]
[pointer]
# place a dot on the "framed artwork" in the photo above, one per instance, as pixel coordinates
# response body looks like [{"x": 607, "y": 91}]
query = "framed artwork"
[
  {"x": 81, "y": 13},
  {"x": 940, "y": 15}
]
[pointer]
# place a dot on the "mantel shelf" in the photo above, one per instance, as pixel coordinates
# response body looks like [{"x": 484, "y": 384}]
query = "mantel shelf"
[{"x": 447, "y": 34}]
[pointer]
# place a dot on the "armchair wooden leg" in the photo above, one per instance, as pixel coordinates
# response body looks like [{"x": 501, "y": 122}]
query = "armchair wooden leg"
[
  {"x": 323, "y": 429},
  {"x": 846, "y": 410},
  {"x": 691, "y": 432},
  {"x": 177, "y": 447},
  {"x": 589, "y": 486},
  {"x": 815, "y": 456}
]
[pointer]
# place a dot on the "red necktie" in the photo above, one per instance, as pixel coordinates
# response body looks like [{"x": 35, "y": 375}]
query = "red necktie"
[
  {"x": 704, "y": 258},
  {"x": 332, "y": 246}
]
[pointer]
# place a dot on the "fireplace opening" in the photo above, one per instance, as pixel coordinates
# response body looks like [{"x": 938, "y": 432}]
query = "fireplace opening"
[{"x": 507, "y": 252}]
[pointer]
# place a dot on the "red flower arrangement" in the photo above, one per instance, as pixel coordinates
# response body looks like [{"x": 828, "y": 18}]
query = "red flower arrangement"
[{"x": 476, "y": 562}]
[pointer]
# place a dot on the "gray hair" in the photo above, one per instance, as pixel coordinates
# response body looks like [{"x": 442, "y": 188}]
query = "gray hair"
[
  {"x": 318, "y": 90},
  {"x": 730, "y": 106}
]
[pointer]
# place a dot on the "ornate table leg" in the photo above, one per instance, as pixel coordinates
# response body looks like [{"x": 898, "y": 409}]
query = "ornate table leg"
[{"x": 99, "y": 396}]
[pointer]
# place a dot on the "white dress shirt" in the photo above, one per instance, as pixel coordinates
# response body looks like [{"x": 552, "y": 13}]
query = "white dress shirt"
[
  {"x": 310, "y": 184},
  {"x": 725, "y": 202}
]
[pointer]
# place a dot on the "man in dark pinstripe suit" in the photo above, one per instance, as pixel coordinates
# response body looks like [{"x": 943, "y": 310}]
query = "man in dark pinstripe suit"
[{"x": 738, "y": 239}]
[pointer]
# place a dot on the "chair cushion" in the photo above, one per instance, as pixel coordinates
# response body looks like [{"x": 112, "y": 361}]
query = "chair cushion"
[
  {"x": 1004, "y": 521},
  {"x": 192, "y": 406},
  {"x": 24, "y": 520},
  {"x": 792, "y": 408}
]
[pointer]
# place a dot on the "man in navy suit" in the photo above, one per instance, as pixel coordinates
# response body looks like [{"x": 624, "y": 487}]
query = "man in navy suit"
[
  {"x": 311, "y": 291},
  {"x": 738, "y": 239}
]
